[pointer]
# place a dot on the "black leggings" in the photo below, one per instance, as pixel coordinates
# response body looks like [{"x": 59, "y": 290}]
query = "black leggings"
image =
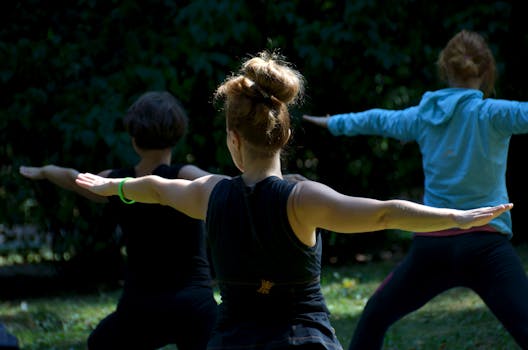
[
  {"x": 185, "y": 318},
  {"x": 482, "y": 261}
]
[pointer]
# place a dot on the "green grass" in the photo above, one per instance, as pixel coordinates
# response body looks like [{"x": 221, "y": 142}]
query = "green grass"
[{"x": 454, "y": 320}]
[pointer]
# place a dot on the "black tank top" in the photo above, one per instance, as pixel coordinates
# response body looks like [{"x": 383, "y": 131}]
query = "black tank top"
[
  {"x": 165, "y": 248},
  {"x": 261, "y": 267}
]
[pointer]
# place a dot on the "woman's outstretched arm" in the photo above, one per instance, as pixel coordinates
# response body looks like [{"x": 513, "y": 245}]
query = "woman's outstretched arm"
[
  {"x": 313, "y": 204},
  {"x": 189, "y": 197}
]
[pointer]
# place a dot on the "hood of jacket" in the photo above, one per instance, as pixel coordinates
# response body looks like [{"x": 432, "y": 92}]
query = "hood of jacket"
[{"x": 438, "y": 107}]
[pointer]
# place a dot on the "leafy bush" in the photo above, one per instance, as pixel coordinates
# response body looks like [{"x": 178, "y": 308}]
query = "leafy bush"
[{"x": 72, "y": 68}]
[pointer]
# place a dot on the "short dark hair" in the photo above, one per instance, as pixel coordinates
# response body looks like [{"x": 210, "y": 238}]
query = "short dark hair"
[{"x": 156, "y": 120}]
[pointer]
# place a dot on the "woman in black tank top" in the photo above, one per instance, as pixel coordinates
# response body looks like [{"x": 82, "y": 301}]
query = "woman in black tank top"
[{"x": 167, "y": 296}]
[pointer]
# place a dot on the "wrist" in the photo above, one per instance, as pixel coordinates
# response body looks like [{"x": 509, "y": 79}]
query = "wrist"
[{"x": 121, "y": 192}]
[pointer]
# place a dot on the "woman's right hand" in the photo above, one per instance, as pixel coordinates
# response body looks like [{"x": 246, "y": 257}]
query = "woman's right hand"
[
  {"x": 99, "y": 185},
  {"x": 480, "y": 216},
  {"x": 31, "y": 172},
  {"x": 319, "y": 121}
]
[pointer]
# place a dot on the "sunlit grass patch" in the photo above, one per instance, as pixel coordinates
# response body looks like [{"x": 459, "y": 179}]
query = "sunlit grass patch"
[{"x": 61, "y": 322}]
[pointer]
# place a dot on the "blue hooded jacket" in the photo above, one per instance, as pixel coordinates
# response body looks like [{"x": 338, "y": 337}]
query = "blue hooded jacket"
[{"x": 463, "y": 139}]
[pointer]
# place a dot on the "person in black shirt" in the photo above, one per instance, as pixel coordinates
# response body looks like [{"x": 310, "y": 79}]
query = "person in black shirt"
[{"x": 167, "y": 296}]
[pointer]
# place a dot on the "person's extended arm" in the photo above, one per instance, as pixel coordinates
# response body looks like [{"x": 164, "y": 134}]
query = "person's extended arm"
[
  {"x": 60, "y": 176},
  {"x": 189, "y": 197},
  {"x": 317, "y": 205},
  {"x": 294, "y": 177},
  {"x": 319, "y": 121},
  {"x": 191, "y": 172},
  {"x": 403, "y": 125}
]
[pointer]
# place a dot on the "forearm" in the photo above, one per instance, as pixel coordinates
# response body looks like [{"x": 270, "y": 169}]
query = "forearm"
[
  {"x": 65, "y": 178},
  {"x": 146, "y": 189},
  {"x": 62, "y": 177},
  {"x": 396, "y": 124},
  {"x": 189, "y": 197},
  {"x": 409, "y": 216},
  {"x": 313, "y": 204}
]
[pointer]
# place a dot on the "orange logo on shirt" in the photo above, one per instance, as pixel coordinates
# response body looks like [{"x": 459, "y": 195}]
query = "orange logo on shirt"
[{"x": 265, "y": 287}]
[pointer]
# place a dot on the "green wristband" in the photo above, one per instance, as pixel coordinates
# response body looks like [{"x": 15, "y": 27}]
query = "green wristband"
[{"x": 120, "y": 192}]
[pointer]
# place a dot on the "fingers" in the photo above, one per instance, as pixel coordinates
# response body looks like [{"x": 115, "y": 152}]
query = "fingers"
[
  {"x": 88, "y": 176},
  {"x": 86, "y": 180},
  {"x": 499, "y": 209},
  {"x": 83, "y": 182},
  {"x": 29, "y": 172},
  {"x": 496, "y": 209},
  {"x": 486, "y": 214},
  {"x": 482, "y": 216}
]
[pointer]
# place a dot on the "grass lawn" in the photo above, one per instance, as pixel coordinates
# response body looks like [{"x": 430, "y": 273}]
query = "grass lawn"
[{"x": 454, "y": 320}]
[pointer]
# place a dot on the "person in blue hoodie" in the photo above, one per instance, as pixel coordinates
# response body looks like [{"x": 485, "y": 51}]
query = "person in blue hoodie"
[{"x": 463, "y": 136}]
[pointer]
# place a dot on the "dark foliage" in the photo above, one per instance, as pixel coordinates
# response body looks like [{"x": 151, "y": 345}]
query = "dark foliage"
[{"x": 71, "y": 68}]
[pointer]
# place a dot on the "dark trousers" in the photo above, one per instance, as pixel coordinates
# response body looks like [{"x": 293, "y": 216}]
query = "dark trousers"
[
  {"x": 185, "y": 318},
  {"x": 482, "y": 261}
]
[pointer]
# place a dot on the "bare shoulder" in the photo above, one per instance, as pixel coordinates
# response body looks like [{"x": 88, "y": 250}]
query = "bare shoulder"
[
  {"x": 191, "y": 172},
  {"x": 312, "y": 188},
  {"x": 307, "y": 193},
  {"x": 209, "y": 181}
]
